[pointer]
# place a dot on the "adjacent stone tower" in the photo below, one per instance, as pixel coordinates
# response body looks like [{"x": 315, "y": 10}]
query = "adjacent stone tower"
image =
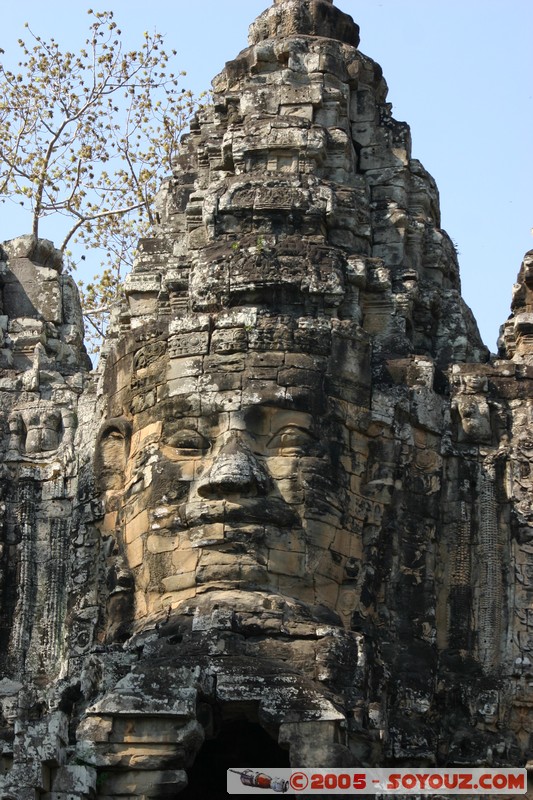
[{"x": 289, "y": 520}]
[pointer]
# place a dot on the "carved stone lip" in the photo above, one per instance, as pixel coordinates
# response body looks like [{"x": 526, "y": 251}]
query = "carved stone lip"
[{"x": 273, "y": 511}]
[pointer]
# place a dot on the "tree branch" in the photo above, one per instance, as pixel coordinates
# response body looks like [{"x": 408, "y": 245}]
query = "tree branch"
[{"x": 83, "y": 219}]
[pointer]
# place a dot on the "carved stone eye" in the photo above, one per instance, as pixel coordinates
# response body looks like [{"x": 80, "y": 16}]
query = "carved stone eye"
[
  {"x": 291, "y": 439},
  {"x": 188, "y": 441}
]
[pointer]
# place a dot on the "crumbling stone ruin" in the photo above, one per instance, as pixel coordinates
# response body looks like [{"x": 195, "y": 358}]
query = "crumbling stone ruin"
[{"x": 288, "y": 519}]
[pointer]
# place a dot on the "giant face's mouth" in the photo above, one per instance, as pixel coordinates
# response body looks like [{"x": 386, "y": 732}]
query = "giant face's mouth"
[{"x": 269, "y": 511}]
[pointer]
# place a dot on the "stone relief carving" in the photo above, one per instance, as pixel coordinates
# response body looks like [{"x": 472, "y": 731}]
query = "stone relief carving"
[{"x": 289, "y": 515}]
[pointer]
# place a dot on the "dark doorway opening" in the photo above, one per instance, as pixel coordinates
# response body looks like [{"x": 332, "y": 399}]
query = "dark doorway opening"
[{"x": 238, "y": 744}]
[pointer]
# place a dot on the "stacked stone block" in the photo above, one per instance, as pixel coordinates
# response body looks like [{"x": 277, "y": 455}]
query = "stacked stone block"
[{"x": 297, "y": 491}]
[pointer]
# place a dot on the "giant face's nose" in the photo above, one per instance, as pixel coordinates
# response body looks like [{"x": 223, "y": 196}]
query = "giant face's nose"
[{"x": 235, "y": 470}]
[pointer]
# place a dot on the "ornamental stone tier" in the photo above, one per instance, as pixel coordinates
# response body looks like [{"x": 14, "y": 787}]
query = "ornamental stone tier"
[{"x": 288, "y": 520}]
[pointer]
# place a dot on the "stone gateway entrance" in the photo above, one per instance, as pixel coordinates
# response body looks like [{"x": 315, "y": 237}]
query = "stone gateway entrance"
[{"x": 236, "y": 742}]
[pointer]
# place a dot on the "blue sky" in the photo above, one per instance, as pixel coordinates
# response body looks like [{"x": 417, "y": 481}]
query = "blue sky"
[{"x": 459, "y": 72}]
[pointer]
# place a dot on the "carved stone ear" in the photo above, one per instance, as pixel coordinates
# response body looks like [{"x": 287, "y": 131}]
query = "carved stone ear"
[
  {"x": 112, "y": 452},
  {"x": 17, "y": 434}
]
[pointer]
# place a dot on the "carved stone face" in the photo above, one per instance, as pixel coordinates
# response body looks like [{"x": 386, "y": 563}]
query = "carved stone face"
[{"x": 234, "y": 479}]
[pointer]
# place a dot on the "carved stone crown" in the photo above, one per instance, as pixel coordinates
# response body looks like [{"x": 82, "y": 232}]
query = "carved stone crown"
[{"x": 306, "y": 18}]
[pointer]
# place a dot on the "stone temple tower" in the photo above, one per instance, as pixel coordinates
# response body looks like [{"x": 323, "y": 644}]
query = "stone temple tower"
[{"x": 288, "y": 522}]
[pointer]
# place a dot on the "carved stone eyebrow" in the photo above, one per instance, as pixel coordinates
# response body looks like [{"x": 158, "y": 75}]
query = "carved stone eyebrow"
[
  {"x": 286, "y": 403},
  {"x": 119, "y": 425},
  {"x": 178, "y": 408}
]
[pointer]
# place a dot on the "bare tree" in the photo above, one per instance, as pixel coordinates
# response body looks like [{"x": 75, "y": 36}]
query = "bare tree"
[{"x": 89, "y": 136}]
